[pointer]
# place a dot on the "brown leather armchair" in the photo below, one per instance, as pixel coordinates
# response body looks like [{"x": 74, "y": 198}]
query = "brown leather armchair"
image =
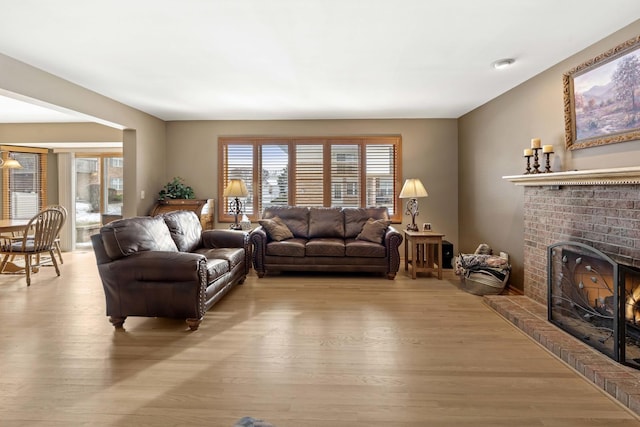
[{"x": 167, "y": 266}]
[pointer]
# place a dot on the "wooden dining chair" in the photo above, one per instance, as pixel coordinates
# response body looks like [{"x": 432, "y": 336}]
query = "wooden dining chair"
[
  {"x": 43, "y": 228},
  {"x": 56, "y": 242}
]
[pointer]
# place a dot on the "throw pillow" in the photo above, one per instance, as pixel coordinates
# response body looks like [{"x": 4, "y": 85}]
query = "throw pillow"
[
  {"x": 276, "y": 229},
  {"x": 374, "y": 230}
]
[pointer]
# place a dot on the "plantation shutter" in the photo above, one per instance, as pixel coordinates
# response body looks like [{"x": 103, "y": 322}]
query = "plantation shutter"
[
  {"x": 24, "y": 190},
  {"x": 309, "y": 175},
  {"x": 345, "y": 175},
  {"x": 380, "y": 176},
  {"x": 238, "y": 165},
  {"x": 274, "y": 175}
]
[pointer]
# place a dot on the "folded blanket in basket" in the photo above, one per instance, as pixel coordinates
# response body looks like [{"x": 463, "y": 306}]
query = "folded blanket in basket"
[{"x": 493, "y": 264}]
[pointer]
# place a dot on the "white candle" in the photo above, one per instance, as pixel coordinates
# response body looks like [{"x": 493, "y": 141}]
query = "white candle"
[
  {"x": 528, "y": 152},
  {"x": 535, "y": 143},
  {"x": 547, "y": 148}
]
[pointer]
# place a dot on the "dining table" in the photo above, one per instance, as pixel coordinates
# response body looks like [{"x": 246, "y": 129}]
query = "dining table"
[{"x": 13, "y": 228}]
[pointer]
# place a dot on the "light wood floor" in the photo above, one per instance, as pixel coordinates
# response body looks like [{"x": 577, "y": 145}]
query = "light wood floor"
[{"x": 310, "y": 350}]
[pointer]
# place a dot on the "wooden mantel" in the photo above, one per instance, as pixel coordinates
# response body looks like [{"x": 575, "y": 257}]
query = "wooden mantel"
[{"x": 628, "y": 175}]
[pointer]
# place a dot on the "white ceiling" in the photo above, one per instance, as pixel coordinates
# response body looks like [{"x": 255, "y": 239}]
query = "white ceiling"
[{"x": 296, "y": 59}]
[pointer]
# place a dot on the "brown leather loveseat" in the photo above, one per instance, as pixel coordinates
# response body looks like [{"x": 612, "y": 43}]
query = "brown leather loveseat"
[
  {"x": 167, "y": 266},
  {"x": 326, "y": 239}
]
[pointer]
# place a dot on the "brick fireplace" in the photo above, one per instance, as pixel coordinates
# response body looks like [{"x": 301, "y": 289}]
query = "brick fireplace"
[
  {"x": 599, "y": 208},
  {"x": 604, "y": 216}
]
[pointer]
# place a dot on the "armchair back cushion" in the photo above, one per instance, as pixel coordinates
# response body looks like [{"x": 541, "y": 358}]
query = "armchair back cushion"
[
  {"x": 185, "y": 229},
  {"x": 125, "y": 237}
]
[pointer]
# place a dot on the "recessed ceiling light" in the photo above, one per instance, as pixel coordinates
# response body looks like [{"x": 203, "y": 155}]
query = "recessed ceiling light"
[{"x": 503, "y": 63}]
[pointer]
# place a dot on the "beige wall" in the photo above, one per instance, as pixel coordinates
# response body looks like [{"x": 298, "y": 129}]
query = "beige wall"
[
  {"x": 143, "y": 136},
  {"x": 491, "y": 141},
  {"x": 429, "y": 152},
  {"x": 12, "y": 133}
]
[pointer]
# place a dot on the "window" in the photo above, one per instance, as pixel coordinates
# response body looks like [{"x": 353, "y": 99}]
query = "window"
[
  {"x": 339, "y": 172},
  {"x": 24, "y": 191}
]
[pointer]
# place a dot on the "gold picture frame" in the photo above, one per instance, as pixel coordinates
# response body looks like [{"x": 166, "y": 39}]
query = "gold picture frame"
[{"x": 602, "y": 98}]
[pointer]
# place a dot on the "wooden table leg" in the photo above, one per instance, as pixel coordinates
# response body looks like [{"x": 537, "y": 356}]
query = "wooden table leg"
[
  {"x": 414, "y": 259},
  {"x": 439, "y": 256},
  {"x": 407, "y": 242}
]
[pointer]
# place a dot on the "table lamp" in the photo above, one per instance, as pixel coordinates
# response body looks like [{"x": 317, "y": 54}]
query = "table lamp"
[
  {"x": 412, "y": 189},
  {"x": 236, "y": 189}
]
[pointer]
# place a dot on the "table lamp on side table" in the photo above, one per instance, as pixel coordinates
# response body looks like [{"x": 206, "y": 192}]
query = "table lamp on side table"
[
  {"x": 236, "y": 189},
  {"x": 412, "y": 189}
]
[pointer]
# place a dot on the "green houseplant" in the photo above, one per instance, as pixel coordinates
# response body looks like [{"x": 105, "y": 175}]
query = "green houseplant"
[{"x": 176, "y": 189}]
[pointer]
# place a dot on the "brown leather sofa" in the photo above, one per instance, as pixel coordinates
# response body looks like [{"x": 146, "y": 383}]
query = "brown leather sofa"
[
  {"x": 326, "y": 239},
  {"x": 167, "y": 266}
]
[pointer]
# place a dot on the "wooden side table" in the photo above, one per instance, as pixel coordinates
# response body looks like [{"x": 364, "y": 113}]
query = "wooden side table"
[{"x": 426, "y": 252}]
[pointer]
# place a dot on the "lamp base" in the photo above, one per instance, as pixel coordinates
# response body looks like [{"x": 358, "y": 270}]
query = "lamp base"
[{"x": 412, "y": 227}]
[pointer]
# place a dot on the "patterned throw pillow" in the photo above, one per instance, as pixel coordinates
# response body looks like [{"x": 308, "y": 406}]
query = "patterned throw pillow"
[
  {"x": 276, "y": 229},
  {"x": 374, "y": 230}
]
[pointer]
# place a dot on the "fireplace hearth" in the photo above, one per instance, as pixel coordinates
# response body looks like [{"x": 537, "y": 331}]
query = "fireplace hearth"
[{"x": 595, "y": 299}]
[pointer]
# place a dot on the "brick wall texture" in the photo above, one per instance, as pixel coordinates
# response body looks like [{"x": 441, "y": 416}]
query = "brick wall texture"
[{"x": 606, "y": 217}]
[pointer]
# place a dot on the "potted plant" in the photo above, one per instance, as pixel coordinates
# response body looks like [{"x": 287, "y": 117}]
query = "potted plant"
[{"x": 176, "y": 189}]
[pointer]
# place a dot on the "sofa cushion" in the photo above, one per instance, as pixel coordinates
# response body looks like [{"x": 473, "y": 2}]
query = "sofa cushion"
[
  {"x": 234, "y": 256},
  {"x": 325, "y": 247},
  {"x": 326, "y": 222},
  {"x": 127, "y": 236},
  {"x": 216, "y": 267},
  {"x": 276, "y": 229},
  {"x": 374, "y": 230},
  {"x": 296, "y": 218},
  {"x": 355, "y": 218},
  {"x": 364, "y": 249},
  {"x": 185, "y": 229},
  {"x": 291, "y": 247}
]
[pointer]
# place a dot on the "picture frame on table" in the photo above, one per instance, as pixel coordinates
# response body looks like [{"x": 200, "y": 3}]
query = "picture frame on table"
[{"x": 602, "y": 98}]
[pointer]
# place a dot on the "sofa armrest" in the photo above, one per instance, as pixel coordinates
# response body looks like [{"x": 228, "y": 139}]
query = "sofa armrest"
[
  {"x": 220, "y": 238},
  {"x": 151, "y": 266},
  {"x": 392, "y": 241},
  {"x": 259, "y": 241}
]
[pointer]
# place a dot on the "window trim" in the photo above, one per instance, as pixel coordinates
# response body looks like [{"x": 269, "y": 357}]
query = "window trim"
[{"x": 257, "y": 141}]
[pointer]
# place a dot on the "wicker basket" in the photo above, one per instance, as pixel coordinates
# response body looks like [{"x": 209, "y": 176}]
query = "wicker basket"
[{"x": 479, "y": 283}]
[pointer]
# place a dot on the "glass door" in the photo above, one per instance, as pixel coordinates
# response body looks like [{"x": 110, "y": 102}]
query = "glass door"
[{"x": 99, "y": 193}]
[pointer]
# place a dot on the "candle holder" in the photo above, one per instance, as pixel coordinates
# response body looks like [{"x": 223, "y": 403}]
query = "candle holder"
[
  {"x": 547, "y": 168},
  {"x": 536, "y": 165},
  {"x": 528, "y": 165}
]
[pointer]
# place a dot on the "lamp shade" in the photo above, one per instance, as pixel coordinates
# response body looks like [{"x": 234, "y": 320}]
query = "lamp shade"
[
  {"x": 10, "y": 164},
  {"x": 236, "y": 188},
  {"x": 412, "y": 189}
]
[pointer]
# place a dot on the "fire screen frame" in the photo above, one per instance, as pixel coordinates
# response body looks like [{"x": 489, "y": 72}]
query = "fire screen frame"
[{"x": 569, "y": 303}]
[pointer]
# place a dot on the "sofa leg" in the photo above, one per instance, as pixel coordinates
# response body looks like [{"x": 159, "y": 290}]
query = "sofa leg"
[
  {"x": 391, "y": 276},
  {"x": 260, "y": 274},
  {"x": 194, "y": 324},
  {"x": 241, "y": 281},
  {"x": 117, "y": 322}
]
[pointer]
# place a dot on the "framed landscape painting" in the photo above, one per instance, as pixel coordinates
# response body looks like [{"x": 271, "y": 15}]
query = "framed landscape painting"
[{"x": 602, "y": 98}]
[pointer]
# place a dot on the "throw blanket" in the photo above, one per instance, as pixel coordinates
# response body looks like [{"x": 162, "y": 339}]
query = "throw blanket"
[{"x": 497, "y": 266}]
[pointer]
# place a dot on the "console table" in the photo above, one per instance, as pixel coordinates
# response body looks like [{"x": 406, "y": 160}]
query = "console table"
[{"x": 425, "y": 254}]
